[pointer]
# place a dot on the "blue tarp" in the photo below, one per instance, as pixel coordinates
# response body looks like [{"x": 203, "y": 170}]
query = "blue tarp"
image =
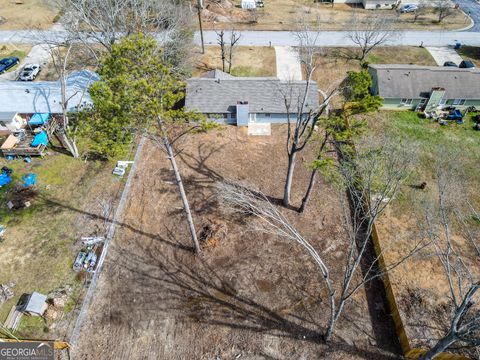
[
  {"x": 29, "y": 180},
  {"x": 40, "y": 138},
  {"x": 5, "y": 179},
  {"x": 39, "y": 119}
]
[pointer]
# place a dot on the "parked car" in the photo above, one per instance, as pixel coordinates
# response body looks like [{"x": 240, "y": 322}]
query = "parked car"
[
  {"x": 466, "y": 64},
  {"x": 408, "y": 8},
  {"x": 29, "y": 72},
  {"x": 450, "y": 63},
  {"x": 8, "y": 63}
]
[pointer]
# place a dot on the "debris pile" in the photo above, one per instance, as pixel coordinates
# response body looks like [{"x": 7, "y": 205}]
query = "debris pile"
[
  {"x": 212, "y": 234},
  {"x": 6, "y": 292}
]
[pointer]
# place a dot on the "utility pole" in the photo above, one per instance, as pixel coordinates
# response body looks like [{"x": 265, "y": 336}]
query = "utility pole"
[{"x": 199, "y": 11}]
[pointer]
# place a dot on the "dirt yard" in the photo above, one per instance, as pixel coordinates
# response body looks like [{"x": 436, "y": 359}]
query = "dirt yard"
[
  {"x": 285, "y": 14},
  {"x": 249, "y": 295},
  {"x": 42, "y": 241},
  {"x": 420, "y": 285},
  {"x": 334, "y": 63},
  {"x": 247, "y": 61},
  {"x": 25, "y": 14}
]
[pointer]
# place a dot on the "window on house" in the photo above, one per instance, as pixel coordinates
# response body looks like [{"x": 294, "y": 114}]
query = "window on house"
[
  {"x": 406, "y": 102},
  {"x": 459, "y": 102},
  {"x": 442, "y": 102},
  {"x": 233, "y": 115},
  {"x": 267, "y": 115}
]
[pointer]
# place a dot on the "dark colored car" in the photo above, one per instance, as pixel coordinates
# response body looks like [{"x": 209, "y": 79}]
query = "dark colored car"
[
  {"x": 450, "y": 63},
  {"x": 466, "y": 64},
  {"x": 8, "y": 63}
]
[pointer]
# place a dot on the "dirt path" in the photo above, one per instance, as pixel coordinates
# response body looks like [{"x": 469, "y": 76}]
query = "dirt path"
[{"x": 249, "y": 295}]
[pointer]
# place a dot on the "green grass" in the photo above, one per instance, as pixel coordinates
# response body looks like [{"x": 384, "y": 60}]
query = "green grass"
[
  {"x": 246, "y": 71},
  {"x": 429, "y": 136},
  {"x": 40, "y": 241}
]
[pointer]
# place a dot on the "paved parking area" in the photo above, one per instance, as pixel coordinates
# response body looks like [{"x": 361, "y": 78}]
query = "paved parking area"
[
  {"x": 443, "y": 54},
  {"x": 39, "y": 54}
]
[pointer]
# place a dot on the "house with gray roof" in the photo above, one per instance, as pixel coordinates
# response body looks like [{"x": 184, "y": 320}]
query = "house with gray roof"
[
  {"x": 244, "y": 100},
  {"x": 425, "y": 87}
]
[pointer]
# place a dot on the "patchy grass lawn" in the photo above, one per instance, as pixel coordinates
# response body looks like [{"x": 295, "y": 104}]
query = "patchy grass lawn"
[
  {"x": 31, "y": 14},
  {"x": 247, "y": 61},
  {"x": 420, "y": 285},
  {"x": 285, "y": 14},
  {"x": 14, "y": 50},
  {"x": 470, "y": 53},
  {"x": 334, "y": 63},
  {"x": 41, "y": 242}
]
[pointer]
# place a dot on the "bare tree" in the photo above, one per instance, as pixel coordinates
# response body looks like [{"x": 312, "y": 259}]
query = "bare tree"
[
  {"x": 301, "y": 118},
  {"x": 227, "y": 47},
  {"x": 223, "y": 50},
  {"x": 444, "y": 214},
  {"x": 443, "y": 8},
  {"x": 372, "y": 178},
  {"x": 421, "y": 10},
  {"x": 234, "y": 39},
  {"x": 371, "y": 32},
  {"x": 105, "y": 22}
]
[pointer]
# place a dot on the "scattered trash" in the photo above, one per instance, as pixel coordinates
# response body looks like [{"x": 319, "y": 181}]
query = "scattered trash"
[
  {"x": 3, "y": 229},
  {"x": 6, "y": 292},
  {"x": 29, "y": 180},
  {"x": 10, "y": 157},
  {"x": 121, "y": 167},
  {"x": 27, "y": 159},
  {"x": 5, "y": 177},
  {"x": 21, "y": 198},
  {"x": 78, "y": 264},
  {"x": 119, "y": 171},
  {"x": 86, "y": 260},
  {"x": 92, "y": 240}
]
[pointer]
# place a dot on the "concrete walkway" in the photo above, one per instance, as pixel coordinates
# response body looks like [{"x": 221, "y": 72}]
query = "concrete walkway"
[
  {"x": 288, "y": 63},
  {"x": 443, "y": 54}
]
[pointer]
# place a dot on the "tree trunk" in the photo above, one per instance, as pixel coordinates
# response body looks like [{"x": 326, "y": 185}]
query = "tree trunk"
[
  {"x": 66, "y": 143},
  {"x": 308, "y": 194},
  {"x": 288, "y": 180},
  {"x": 181, "y": 189},
  {"x": 442, "y": 345},
  {"x": 199, "y": 11}
]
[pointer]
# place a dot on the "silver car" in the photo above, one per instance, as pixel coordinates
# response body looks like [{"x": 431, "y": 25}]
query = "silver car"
[{"x": 29, "y": 72}]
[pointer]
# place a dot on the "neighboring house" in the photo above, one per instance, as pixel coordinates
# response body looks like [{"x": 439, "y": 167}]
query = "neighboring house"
[
  {"x": 244, "y": 100},
  {"x": 425, "y": 87},
  {"x": 46, "y": 96},
  {"x": 369, "y": 4}
]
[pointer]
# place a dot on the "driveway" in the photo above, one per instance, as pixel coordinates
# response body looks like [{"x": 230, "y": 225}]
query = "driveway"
[
  {"x": 443, "y": 54},
  {"x": 472, "y": 9},
  {"x": 288, "y": 63},
  {"x": 37, "y": 55}
]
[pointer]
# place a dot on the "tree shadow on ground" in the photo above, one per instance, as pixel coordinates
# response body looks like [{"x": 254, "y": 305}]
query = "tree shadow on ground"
[{"x": 189, "y": 290}]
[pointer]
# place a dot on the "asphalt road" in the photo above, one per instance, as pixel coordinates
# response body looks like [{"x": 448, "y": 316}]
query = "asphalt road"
[
  {"x": 471, "y": 8},
  {"x": 282, "y": 38}
]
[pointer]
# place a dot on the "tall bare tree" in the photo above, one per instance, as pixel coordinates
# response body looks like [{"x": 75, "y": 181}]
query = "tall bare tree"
[
  {"x": 445, "y": 218},
  {"x": 302, "y": 119},
  {"x": 227, "y": 42},
  {"x": 372, "y": 178},
  {"x": 370, "y": 32},
  {"x": 443, "y": 8},
  {"x": 104, "y": 22}
]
